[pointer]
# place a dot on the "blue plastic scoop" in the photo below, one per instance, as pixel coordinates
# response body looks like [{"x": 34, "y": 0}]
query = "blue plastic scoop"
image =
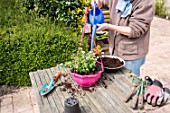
[
  {"x": 95, "y": 17},
  {"x": 47, "y": 88}
]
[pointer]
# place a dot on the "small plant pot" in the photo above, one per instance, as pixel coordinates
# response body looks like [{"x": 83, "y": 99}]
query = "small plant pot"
[
  {"x": 71, "y": 105},
  {"x": 87, "y": 80}
]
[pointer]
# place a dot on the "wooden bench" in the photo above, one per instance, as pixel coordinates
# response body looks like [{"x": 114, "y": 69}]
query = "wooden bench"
[
  {"x": 106, "y": 96},
  {"x": 106, "y": 15}
]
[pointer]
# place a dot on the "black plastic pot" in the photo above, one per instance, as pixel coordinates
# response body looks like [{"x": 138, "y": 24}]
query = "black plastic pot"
[{"x": 71, "y": 105}]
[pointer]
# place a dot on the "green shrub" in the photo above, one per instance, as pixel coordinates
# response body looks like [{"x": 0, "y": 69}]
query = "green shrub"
[
  {"x": 160, "y": 10},
  {"x": 69, "y": 12},
  {"x": 29, "y": 43}
]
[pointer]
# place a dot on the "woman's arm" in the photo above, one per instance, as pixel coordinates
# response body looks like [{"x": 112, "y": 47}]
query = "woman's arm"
[{"x": 120, "y": 29}]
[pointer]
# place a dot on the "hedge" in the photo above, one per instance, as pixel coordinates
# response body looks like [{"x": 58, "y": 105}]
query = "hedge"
[{"x": 29, "y": 43}]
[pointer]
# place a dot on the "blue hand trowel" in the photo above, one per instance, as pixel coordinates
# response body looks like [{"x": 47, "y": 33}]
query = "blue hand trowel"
[
  {"x": 95, "y": 17},
  {"x": 47, "y": 88}
]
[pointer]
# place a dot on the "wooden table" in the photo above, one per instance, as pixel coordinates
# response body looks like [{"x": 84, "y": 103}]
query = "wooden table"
[{"x": 105, "y": 97}]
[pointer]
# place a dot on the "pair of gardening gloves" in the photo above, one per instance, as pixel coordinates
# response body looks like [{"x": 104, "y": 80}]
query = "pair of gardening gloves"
[{"x": 156, "y": 95}]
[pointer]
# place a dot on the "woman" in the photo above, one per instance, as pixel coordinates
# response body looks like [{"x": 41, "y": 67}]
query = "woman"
[{"x": 129, "y": 30}]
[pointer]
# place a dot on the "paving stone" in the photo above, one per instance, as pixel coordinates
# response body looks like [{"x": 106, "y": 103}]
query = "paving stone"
[
  {"x": 28, "y": 111},
  {"x": 31, "y": 91},
  {"x": 6, "y": 101},
  {"x": 7, "y": 96},
  {"x": 22, "y": 101},
  {"x": 7, "y": 109},
  {"x": 19, "y": 107},
  {"x": 24, "y": 95}
]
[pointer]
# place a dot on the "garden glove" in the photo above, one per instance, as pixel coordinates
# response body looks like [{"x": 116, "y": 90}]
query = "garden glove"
[
  {"x": 164, "y": 99},
  {"x": 154, "y": 92}
]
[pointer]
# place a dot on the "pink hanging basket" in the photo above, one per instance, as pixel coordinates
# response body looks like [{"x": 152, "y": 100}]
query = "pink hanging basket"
[{"x": 87, "y": 80}]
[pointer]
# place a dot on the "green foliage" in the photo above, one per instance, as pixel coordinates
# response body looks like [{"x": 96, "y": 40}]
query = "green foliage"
[
  {"x": 160, "y": 10},
  {"x": 85, "y": 63},
  {"x": 69, "y": 12},
  {"x": 29, "y": 43}
]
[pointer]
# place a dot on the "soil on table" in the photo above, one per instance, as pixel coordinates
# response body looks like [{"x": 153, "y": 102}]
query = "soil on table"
[
  {"x": 68, "y": 86},
  {"x": 75, "y": 90},
  {"x": 111, "y": 62}
]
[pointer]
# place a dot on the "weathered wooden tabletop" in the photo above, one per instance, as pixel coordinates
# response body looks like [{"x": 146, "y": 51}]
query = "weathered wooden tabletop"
[{"x": 105, "y": 97}]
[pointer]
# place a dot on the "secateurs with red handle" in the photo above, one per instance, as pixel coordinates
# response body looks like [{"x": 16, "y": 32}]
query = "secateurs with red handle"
[{"x": 47, "y": 88}]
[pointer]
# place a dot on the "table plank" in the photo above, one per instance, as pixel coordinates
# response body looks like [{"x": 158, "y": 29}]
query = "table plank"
[
  {"x": 57, "y": 95},
  {"x": 117, "y": 93},
  {"x": 36, "y": 92},
  {"x": 46, "y": 105},
  {"x": 51, "y": 96},
  {"x": 116, "y": 103},
  {"x": 65, "y": 95},
  {"x": 57, "y": 89}
]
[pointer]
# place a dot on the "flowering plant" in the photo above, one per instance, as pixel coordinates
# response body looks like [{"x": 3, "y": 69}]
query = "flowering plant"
[{"x": 84, "y": 63}]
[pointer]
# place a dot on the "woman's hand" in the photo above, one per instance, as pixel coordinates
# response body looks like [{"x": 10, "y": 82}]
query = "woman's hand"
[
  {"x": 103, "y": 26},
  {"x": 98, "y": 2},
  {"x": 125, "y": 30}
]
